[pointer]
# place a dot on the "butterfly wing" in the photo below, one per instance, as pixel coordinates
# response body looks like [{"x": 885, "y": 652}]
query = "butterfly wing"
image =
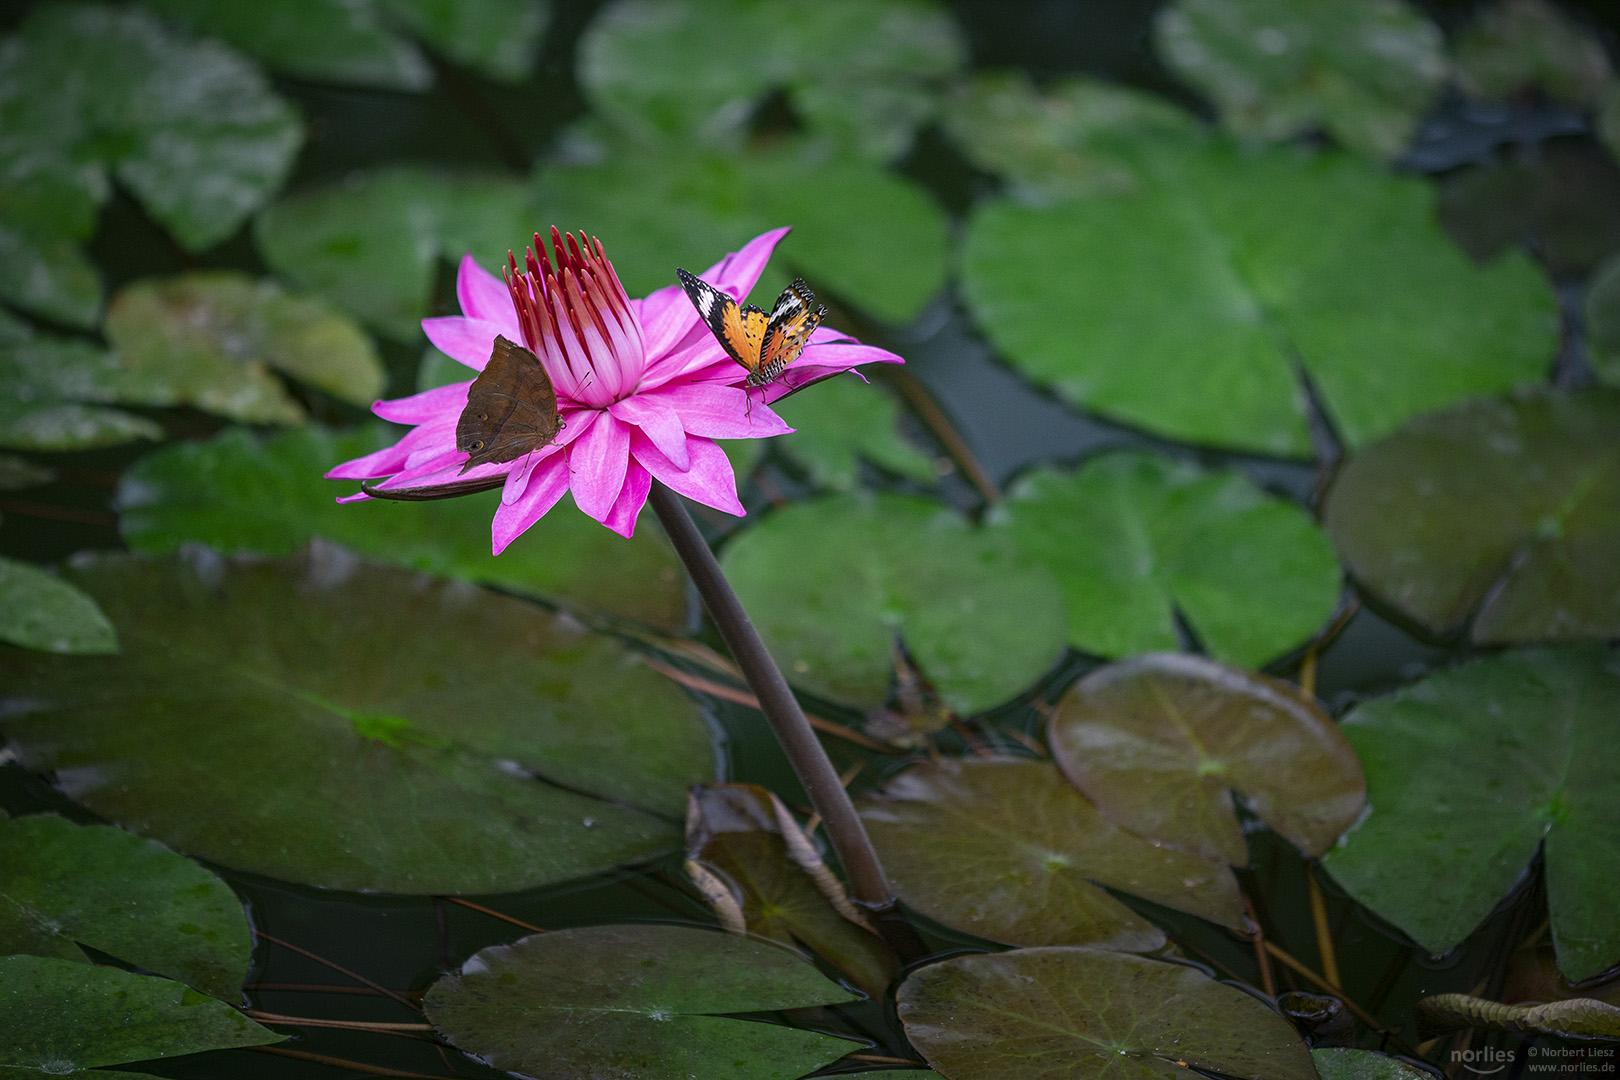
[
  {"x": 740, "y": 330},
  {"x": 793, "y": 319},
  {"x": 511, "y": 408}
]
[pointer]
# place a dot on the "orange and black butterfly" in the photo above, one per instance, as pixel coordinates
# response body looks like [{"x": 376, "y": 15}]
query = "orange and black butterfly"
[{"x": 763, "y": 344}]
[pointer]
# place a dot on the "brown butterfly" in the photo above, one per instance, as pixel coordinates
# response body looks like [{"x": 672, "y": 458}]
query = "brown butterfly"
[{"x": 763, "y": 344}]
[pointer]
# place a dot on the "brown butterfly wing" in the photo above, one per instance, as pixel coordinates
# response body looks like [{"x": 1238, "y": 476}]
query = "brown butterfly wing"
[{"x": 511, "y": 408}]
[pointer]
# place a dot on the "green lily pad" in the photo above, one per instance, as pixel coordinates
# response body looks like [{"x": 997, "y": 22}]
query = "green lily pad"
[
  {"x": 1163, "y": 743},
  {"x": 1607, "y": 121},
  {"x": 762, "y": 875},
  {"x": 1132, "y": 539},
  {"x": 1468, "y": 773},
  {"x": 57, "y": 1016},
  {"x": 500, "y": 38},
  {"x": 1343, "y": 1063},
  {"x": 1603, "y": 322},
  {"x": 1516, "y": 44},
  {"x": 876, "y": 240},
  {"x": 38, "y": 610},
  {"x": 1007, "y": 850},
  {"x": 1060, "y": 141},
  {"x": 325, "y": 721},
  {"x": 1565, "y": 201},
  {"x": 635, "y": 1001},
  {"x": 1225, "y": 270},
  {"x": 212, "y": 336},
  {"x": 843, "y": 420},
  {"x": 17, "y": 473},
  {"x": 1364, "y": 71},
  {"x": 372, "y": 244},
  {"x": 1511, "y": 507},
  {"x": 833, "y": 582},
  {"x": 1087, "y": 1013},
  {"x": 48, "y": 385},
  {"x": 190, "y": 129},
  {"x": 245, "y": 493},
  {"x": 129, "y": 898},
  {"x": 1574, "y": 1018},
  {"x": 868, "y": 72}
]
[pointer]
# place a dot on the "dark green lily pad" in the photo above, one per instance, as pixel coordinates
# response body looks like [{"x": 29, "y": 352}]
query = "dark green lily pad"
[
  {"x": 1225, "y": 270},
  {"x": 500, "y": 38},
  {"x": 190, "y": 129},
  {"x": 1574, "y": 1018},
  {"x": 1607, "y": 121},
  {"x": 761, "y": 874},
  {"x": 868, "y": 72},
  {"x": 17, "y": 473},
  {"x": 130, "y": 898},
  {"x": 1132, "y": 539},
  {"x": 321, "y": 720},
  {"x": 1565, "y": 202},
  {"x": 832, "y": 583},
  {"x": 38, "y": 610},
  {"x": 1603, "y": 322},
  {"x": 48, "y": 385},
  {"x": 211, "y": 337},
  {"x": 1518, "y": 44},
  {"x": 1511, "y": 507},
  {"x": 875, "y": 239},
  {"x": 1343, "y": 1063},
  {"x": 58, "y": 1015},
  {"x": 843, "y": 420},
  {"x": 1007, "y": 850},
  {"x": 1364, "y": 71},
  {"x": 1059, "y": 141},
  {"x": 635, "y": 1001},
  {"x": 1468, "y": 773},
  {"x": 1163, "y": 743},
  {"x": 373, "y": 243},
  {"x": 1087, "y": 1013},
  {"x": 241, "y": 492}
]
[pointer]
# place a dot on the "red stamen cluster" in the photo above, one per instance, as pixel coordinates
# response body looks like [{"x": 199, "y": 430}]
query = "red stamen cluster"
[{"x": 582, "y": 287}]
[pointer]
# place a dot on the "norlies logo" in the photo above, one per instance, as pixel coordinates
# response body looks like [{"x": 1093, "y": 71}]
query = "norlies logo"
[{"x": 1571, "y": 1060}]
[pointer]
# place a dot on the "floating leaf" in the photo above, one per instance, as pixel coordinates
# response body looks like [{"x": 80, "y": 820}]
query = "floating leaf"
[
  {"x": 1516, "y": 44},
  {"x": 842, "y": 421},
  {"x": 210, "y": 336},
  {"x": 634, "y": 1001},
  {"x": 1342, "y": 1063},
  {"x": 500, "y": 38},
  {"x": 1603, "y": 322},
  {"x": 1163, "y": 743},
  {"x": 1607, "y": 121},
  {"x": 1088, "y": 1013},
  {"x": 1007, "y": 850},
  {"x": 1132, "y": 539},
  {"x": 1468, "y": 773},
  {"x": 1226, "y": 270},
  {"x": 38, "y": 610},
  {"x": 885, "y": 567},
  {"x": 1511, "y": 507},
  {"x": 17, "y": 473},
  {"x": 865, "y": 71},
  {"x": 762, "y": 875},
  {"x": 1565, "y": 202},
  {"x": 372, "y": 243},
  {"x": 355, "y": 727},
  {"x": 47, "y": 384},
  {"x": 130, "y": 898},
  {"x": 1575, "y": 1018},
  {"x": 57, "y": 1016},
  {"x": 874, "y": 239},
  {"x": 1365, "y": 71},
  {"x": 240, "y": 492}
]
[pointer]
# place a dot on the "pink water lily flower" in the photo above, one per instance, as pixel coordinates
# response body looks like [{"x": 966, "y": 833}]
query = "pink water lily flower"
[{"x": 643, "y": 389}]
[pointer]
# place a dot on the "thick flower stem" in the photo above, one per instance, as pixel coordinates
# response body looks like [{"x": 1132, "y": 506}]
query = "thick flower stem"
[{"x": 867, "y": 881}]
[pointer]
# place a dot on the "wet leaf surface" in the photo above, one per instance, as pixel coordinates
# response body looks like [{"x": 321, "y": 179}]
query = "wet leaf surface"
[
  {"x": 1514, "y": 45},
  {"x": 38, "y": 610},
  {"x": 1007, "y": 850},
  {"x": 1564, "y": 204},
  {"x": 842, "y": 422},
  {"x": 866, "y": 72},
  {"x": 373, "y": 243},
  {"x": 1603, "y": 322},
  {"x": 349, "y": 726},
  {"x": 1225, "y": 270},
  {"x": 1132, "y": 539},
  {"x": 1164, "y": 743},
  {"x": 1343, "y": 1063},
  {"x": 130, "y": 898},
  {"x": 1078, "y": 1014},
  {"x": 1276, "y": 69},
  {"x": 886, "y": 566},
  {"x": 1575, "y": 1018},
  {"x": 1508, "y": 507},
  {"x": 635, "y": 1001},
  {"x": 240, "y": 492},
  {"x": 57, "y": 1016},
  {"x": 1468, "y": 773},
  {"x": 48, "y": 384},
  {"x": 760, "y": 873}
]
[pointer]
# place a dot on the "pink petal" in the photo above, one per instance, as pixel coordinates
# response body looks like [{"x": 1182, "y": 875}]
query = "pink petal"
[
  {"x": 599, "y": 460},
  {"x": 846, "y": 354},
  {"x": 427, "y": 406},
  {"x": 483, "y": 295},
  {"x": 622, "y": 518},
  {"x": 737, "y": 272},
  {"x": 390, "y": 459},
  {"x": 657, "y": 420},
  {"x": 709, "y": 481},
  {"x": 719, "y": 412},
  {"x": 575, "y": 424},
  {"x": 358, "y": 496},
  {"x": 468, "y": 340},
  {"x": 546, "y": 485},
  {"x": 666, "y": 317}
]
